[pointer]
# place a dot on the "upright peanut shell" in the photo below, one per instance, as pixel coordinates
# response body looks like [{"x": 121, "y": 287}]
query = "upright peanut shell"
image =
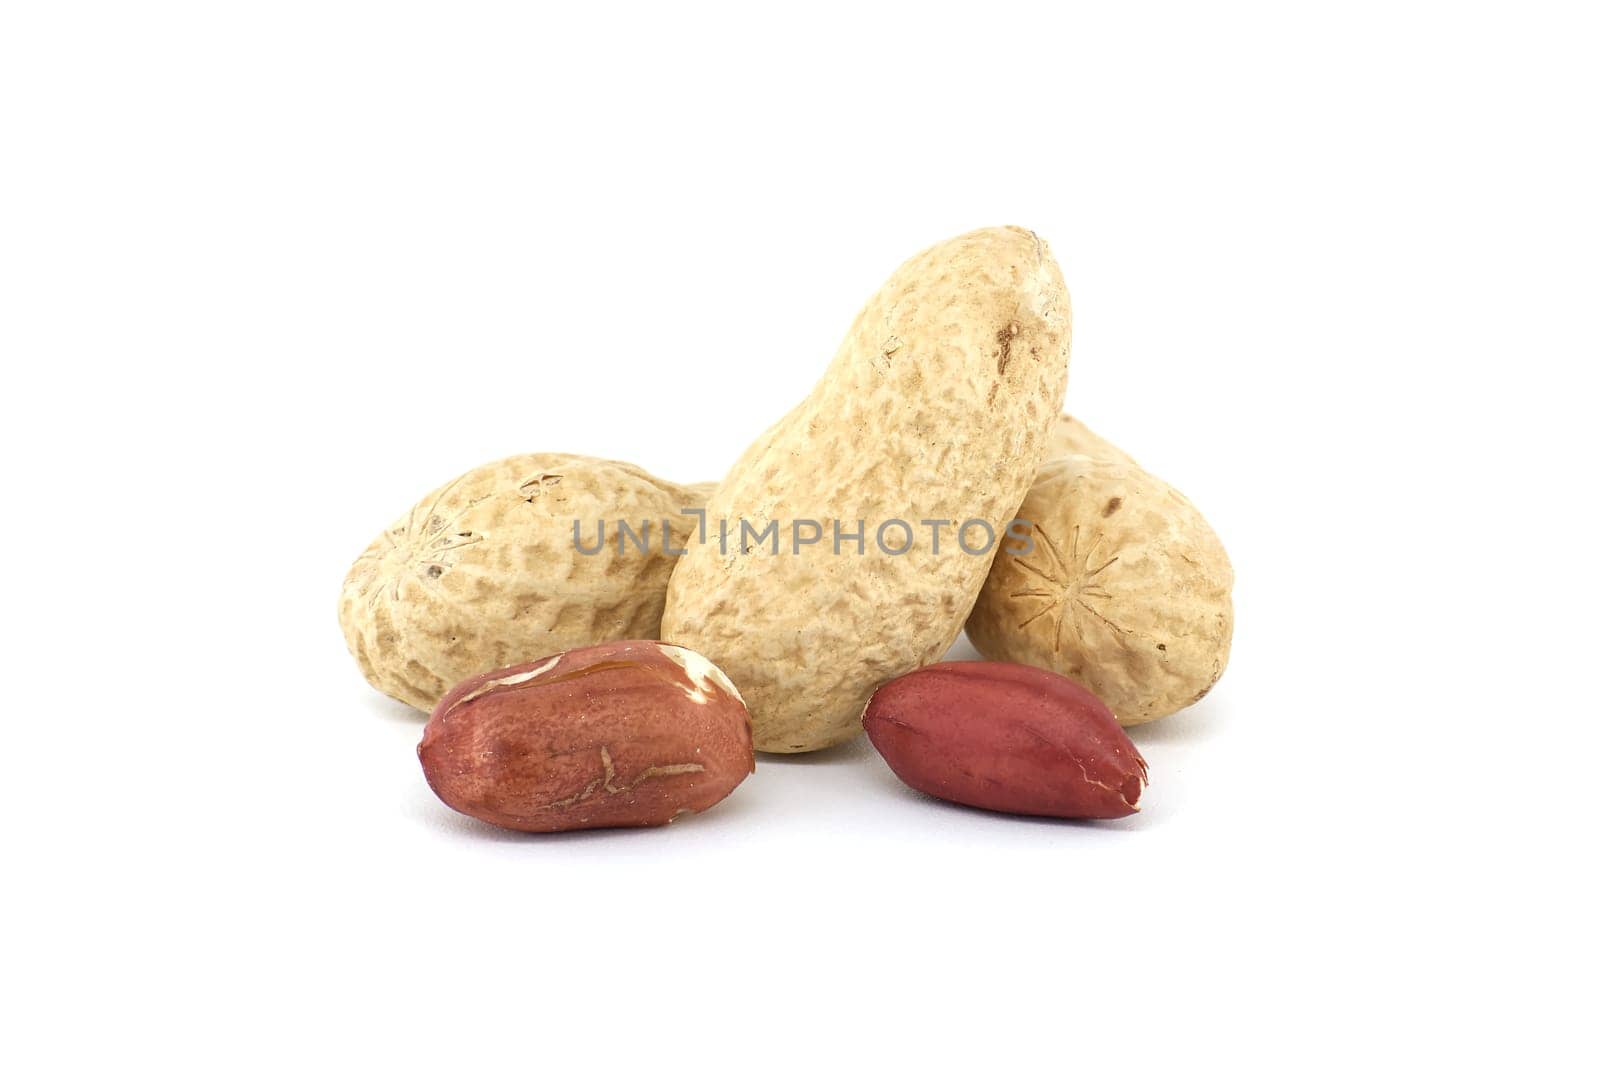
[
  {"x": 484, "y": 572},
  {"x": 1126, "y": 590},
  {"x": 631, "y": 733},
  {"x": 1006, "y": 737},
  {"x": 936, "y": 408}
]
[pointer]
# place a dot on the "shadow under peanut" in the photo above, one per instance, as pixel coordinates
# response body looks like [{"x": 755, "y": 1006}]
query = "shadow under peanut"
[
  {"x": 894, "y": 790},
  {"x": 452, "y": 823},
  {"x": 1193, "y": 725},
  {"x": 385, "y": 708}
]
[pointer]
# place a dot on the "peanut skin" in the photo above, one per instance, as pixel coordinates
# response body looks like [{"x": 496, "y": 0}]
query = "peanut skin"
[
  {"x": 632, "y": 733},
  {"x": 1006, "y": 737}
]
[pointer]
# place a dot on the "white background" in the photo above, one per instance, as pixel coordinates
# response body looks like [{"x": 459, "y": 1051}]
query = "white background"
[{"x": 269, "y": 272}]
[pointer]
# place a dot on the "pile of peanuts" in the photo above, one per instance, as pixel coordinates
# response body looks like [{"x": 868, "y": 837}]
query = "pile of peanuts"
[{"x": 600, "y": 647}]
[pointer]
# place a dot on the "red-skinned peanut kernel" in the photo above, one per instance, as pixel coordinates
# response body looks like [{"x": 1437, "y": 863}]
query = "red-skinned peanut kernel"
[
  {"x": 1006, "y": 737},
  {"x": 623, "y": 734}
]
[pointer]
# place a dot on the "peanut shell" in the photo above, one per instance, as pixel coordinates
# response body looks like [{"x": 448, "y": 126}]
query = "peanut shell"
[
  {"x": 483, "y": 572},
  {"x": 1127, "y": 590},
  {"x": 937, "y": 406}
]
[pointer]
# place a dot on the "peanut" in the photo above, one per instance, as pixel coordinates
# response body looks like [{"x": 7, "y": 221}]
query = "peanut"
[
  {"x": 1008, "y": 738},
  {"x": 485, "y": 571},
  {"x": 1127, "y": 589},
  {"x": 935, "y": 408},
  {"x": 624, "y": 734}
]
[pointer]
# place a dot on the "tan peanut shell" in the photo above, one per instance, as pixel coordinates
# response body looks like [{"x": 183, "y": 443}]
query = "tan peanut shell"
[
  {"x": 936, "y": 407},
  {"x": 483, "y": 572},
  {"x": 1126, "y": 590}
]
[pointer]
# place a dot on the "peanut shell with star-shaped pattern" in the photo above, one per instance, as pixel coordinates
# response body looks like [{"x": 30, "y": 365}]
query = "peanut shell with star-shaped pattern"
[{"x": 1126, "y": 589}]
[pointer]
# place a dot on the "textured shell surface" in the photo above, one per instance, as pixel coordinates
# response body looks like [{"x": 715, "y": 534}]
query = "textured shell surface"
[
  {"x": 484, "y": 571},
  {"x": 936, "y": 407},
  {"x": 1127, "y": 590}
]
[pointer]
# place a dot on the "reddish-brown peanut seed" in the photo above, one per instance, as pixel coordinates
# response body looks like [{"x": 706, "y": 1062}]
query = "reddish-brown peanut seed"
[
  {"x": 1006, "y": 737},
  {"x": 622, "y": 734}
]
